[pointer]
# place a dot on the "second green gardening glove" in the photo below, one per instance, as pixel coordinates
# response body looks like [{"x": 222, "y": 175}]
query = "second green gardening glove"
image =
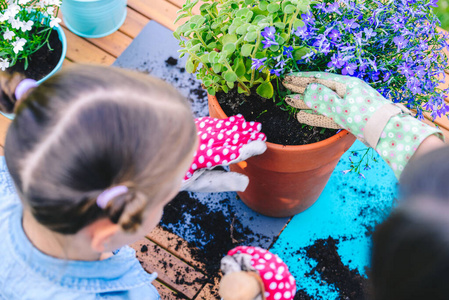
[{"x": 336, "y": 101}]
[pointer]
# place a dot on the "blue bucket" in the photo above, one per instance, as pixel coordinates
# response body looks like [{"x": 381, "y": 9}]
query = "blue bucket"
[
  {"x": 93, "y": 18},
  {"x": 63, "y": 40}
]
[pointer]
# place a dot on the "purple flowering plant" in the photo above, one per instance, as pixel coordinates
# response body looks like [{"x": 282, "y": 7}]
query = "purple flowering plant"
[{"x": 395, "y": 46}]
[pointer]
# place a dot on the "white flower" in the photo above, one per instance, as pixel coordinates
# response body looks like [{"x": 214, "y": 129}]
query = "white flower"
[
  {"x": 8, "y": 35},
  {"x": 18, "y": 45},
  {"x": 4, "y": 17},
  {"x": 4, "y": 63},
  {"x": 54, "y": 22},
  {"x": 26, "y": 26},
  {"x": 15, "y": 23},
  {"x": 13, "y": 10},
  {"x": 50, "y": 11},
  {"x": 55, "y": 2},
  {"x": 22, "y": 2}
]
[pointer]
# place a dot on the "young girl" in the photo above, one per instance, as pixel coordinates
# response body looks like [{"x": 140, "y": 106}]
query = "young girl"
[{"x": 91, "y": 158}]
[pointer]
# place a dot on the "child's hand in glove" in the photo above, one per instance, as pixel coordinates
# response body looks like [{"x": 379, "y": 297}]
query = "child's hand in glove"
[
  {"x": 336, "y": 101},
  {"x": 221, "y": 143}
]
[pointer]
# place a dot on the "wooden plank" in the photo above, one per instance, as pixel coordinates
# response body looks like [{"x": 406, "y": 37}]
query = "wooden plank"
[
  {"x": 159, "y": 10},
  {"x": 113, "y": 44},
  {"x": 166, "y": 293},
  {"x": 67, "y": 62},
  {"x": 175, "y": 245},
  {"x": 134, "y": 23},
  {"x": 81, "y": 51},
  {"x": 210, "y": 291},
  {"x": 445, "y": 131},
  {"x": 172, "y": 271},
  {"x": 4, "y": 124}
]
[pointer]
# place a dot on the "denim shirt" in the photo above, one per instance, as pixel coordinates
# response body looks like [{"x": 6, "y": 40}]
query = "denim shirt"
[{"x": 27, "y": 273}]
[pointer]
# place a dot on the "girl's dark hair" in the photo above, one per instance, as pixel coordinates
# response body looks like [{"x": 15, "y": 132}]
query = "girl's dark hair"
[
  {"x": 426, "y": 176},
  {"x": 89, "y": 128},
  {"x": 410, "y": 258}
]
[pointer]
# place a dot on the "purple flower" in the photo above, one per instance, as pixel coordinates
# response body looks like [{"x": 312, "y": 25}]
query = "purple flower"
[
  {"x": 414, "y": 85},
  {"x": 432, "y": 3},
  {"x": 400, "y": 42},
  {"x": 276, "y": 72},
  {"x": 350, "y": 23},
  {"x": 336, "y": 61},
  {"x": 332, "y": 8},
  {"x": 334, "y": 34},
  {"x": 280, "y": 64},
  {"x": 258, "y": 64},
  {"x": 405, "y": 69},
  {"x": 420, "y": 71},
  {"x": 268, "y": 43},
  {"x": 349, "y": 68},
  {"x": 288, "y": 51},
  {"x": 369, "y": 32},
  {"x": 268, "y": 33},
  {"x": 301, "y": 32},
  {"x": 308, "y": 18}
]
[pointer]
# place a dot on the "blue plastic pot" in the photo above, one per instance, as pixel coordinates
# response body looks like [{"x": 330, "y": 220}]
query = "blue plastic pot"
[
  {"x": 63, "y": 40},
  {"x": 93, "y": 18}
]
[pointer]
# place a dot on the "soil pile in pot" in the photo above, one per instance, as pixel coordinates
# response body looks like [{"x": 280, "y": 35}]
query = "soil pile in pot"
[
  {"x": 43, "y": 61},
  {"x": 281, "y": 127}
]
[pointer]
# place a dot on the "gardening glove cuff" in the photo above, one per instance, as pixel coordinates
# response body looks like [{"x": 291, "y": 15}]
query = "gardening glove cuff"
[
  {"x": 221, "y": 143},
  {"x": 354, "y": 105}
]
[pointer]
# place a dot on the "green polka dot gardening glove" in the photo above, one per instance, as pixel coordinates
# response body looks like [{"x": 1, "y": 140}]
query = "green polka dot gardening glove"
[{"x": 336, "y": 101}]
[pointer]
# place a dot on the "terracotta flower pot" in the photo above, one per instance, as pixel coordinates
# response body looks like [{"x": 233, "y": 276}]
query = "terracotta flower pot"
[{"x": 286, "y": 180}]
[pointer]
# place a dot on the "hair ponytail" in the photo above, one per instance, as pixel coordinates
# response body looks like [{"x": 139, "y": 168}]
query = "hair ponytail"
[
  {"x": 8, "y": 85},
  {"x": 126, "y": 210}
]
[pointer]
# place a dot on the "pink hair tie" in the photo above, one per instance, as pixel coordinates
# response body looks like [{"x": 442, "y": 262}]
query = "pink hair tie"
[
  {"x": 110, "y": 194},
  {"x": 24, "y": 86}
]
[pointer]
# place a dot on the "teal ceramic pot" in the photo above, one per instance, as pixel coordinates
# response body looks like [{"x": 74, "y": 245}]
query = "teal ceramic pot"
[
  {"x": 63, "y": 40},
  {"x": 93, "y": 18}
]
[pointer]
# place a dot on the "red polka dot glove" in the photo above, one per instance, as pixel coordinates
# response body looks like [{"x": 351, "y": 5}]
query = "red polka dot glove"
[
  {"x": 350, "y": 103},
  {"x": 221, "y": 143},
  {"x": 278, "y": 283}
]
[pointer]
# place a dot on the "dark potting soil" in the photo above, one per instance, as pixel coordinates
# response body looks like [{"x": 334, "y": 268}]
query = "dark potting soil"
[
  {"x": 349, "y": 283},
  {"x": 43, "y": 61},
  {"x": 281, "y": 127},
  {"x": 215, "y": 232},
  {"x": 222, "y": 233}
]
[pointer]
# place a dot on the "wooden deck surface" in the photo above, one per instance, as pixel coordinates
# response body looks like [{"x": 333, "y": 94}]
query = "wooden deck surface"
[{"x": 180, "y": 276}]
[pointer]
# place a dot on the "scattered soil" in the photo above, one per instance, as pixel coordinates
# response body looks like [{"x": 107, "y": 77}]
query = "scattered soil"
[
  {"x": 281, "y": 127},
  {"x": 43, "y": 61},
  {"x": 171, "y": 61},
  {"x": 215, "y": 233},
  {"x": 349, "y": 283}
]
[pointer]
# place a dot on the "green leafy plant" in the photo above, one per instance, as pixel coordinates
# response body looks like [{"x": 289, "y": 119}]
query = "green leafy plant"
[{"x": 225, "y": 41}]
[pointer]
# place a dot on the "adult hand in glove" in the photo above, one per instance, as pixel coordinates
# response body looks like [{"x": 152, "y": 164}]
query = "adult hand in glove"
[
  {"x": 336, "y": 101},
  {"x": 221, "y": 143}
]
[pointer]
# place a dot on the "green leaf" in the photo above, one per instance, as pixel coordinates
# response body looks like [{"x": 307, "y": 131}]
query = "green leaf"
[
  {"x": 246, "y": 49},
  {"x": 180, "y": 17},
  {"x": 208, "y": 82},
  {"x": 230, "y": 84},
  {"x": 300, "y": 52},
  {"x": 225, "y": 88},
  {"x": 273, "y": 8},
  {"x": 211, "y": 91},
  {"x": 229, "y": 38},
  {"x": 198, "y": 20},
  {"x": 251, "y": 36},
  {"x": 249, "y": 2},
  {"x": 211, "y": 56},
  {"x": 242, "y": 29},
  {"x": 289, "y": 9},
  {"x": 240, "y": 69},
  {"x": 242, "y": 12},
  {"x": 230, "y": 76},
  {"x": 263, "y": 5},
  {"x": 279, "y": 25},
  {"x": 189, "y": 65},
  {"x": 265, "y": 90},
  {"x": 204, "y": 7},
  {"x": 229, "y": 47},
  {"x": 298, "y": 23},
  {"x": 216, "y": 68}
]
